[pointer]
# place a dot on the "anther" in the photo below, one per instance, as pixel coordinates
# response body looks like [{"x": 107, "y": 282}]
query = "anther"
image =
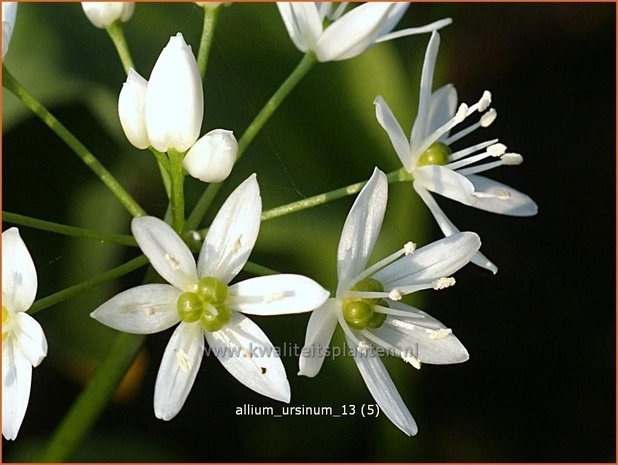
[
  {"x": 173, "y": 262},
  {"x": 275, "y": 296},
  {"x": 441, "y": 333},
  {"x": 443, "y": 283},
  {"x": 183, "y": 360},
  {"x": 412, "y": 360},
  {"x": 485, "y": 101},
  {"x": 512, "y": 159},
  {"x": 395, "y": 295},
  {"x": 409, "y": 247},
  {"x": 488, "y": 118},
  {"x": 196, "y": 236},
  {"x": 461, "y": 114},
  {"x": 496, "y": 150}
]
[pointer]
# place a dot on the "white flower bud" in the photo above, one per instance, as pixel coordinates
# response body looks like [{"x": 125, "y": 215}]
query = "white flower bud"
[
  {"x": 211, "y": 5},
  {"x": 103, "y": 14},
  {"x": 131, "y": 109},
  {"x": 174, "y": 98},
  {"x": 212, "y": 157},
  {"x": 9, "y": 13}
]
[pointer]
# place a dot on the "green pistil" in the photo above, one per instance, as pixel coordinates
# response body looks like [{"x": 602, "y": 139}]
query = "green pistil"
[
  {"x": 206, "y": 304},
  {"x": 436, "y": 154},
  {"x": 359, "y": 313}
]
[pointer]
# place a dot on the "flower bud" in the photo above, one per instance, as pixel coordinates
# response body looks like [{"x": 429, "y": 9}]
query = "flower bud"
[
  {"x": 211, "y": 5},
  {"x": 9, "y": 12},
  {"x": 212, "y": 157},
  {"x": 131, "y": 109},
  {"x": 174, "y": 98},
  {"x": 103, "y": 14}
]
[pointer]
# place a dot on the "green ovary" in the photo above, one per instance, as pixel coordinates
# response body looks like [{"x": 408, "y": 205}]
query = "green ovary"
[
  {"x": 436, "y": 154},
  {"x": 360, "y": 313},
  {"x": 206, "y": 304}
]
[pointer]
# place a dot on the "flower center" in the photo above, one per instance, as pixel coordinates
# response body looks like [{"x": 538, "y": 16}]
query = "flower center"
[
  {"x": 5, "y": 322},
  {"x": 206, "y": 304},
  {"x": 359, "y": 313},
  {"x": 436, "y": 154}
]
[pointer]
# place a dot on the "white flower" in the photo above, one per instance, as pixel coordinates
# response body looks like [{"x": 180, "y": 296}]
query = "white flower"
[
  {"x": 212, "y": 157},
  {"x": 174, "y": 105},
  {"x": 200, "y": 299},
  {"x": 131, "y": 109},
  {"x": 367, "y": 304},
  {"x": 349, "y": 34},
  {"x": 104, "y": 14},
  {"x": 9, "y": 13},
  {"x": 23, "y": 342},
  {"x": 427, "y": 156}
]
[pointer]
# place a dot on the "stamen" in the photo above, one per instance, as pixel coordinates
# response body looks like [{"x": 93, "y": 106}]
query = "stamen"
[
  {"x": 468, "y": 161},
  {"x": 441, "y": 333},
  {"x": 406, "y": 356},
  {"x": 367, "y": 295},
  {"x": 412, "y": 360},
  {"x": 379, "y": 265},
  {"x": 173, "y": 262},
  {"x": 512, "y": 159},
  {"x": 496, "y": 150},
  {"x": 461, "y": 115},
  {"x": 409, "y": 247},
  {"x": 394, "y": 295},
  {"x": 196, "y": 236},
  {"x": 416, "y": 30},
  {"x": 470, "y": 150},
  {"x": 485, "y": 101},
  {"x": 488, "y": 118},
  {"x": 443, "y": 283}
]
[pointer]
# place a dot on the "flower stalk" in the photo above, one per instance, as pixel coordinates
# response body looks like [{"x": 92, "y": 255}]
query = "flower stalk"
[
  {"x": 116, "y": 34},
  {"x": 208, "y": 32}
]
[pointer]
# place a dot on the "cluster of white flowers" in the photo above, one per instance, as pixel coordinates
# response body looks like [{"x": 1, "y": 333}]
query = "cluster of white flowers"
[{"x": 165, "y": 114}]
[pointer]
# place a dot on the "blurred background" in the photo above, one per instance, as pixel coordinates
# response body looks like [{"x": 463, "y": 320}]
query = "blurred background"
[{"x": 540, "y": 382}]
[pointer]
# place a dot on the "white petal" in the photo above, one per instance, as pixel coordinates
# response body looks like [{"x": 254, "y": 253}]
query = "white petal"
[
  {"x": 179, "y": 366},
  {"x": 395, "y": 13},
  {"x": 16, "y": 379},
  {"x": 212, "y": 157},
  {"x": 446, "y": 182},
  {"x": 442, "y": 107},
  {"x": 19, "y": 281},
  {"x": 245, "y": 351},
  {"x": 303, "y": 22},
  {"x": 395, "y": 133},
  {"x": 515, "y": 203},
  {"x": 232, "y": 234},
  {"x": 131, "y": 109},
  {"x": 320, "y": 329},
  {"x": 144, "y": 309},
  {"x": 353, "y": 33},
  {"x": 277, "y": 295},
  {"x": 420, "y": 129},
  {"x": 9, "y": 13},
  {"x": 361, "y": 229},
  {"x": 436, "y": 260},
  {"x": 174, "y": 99},
  {"x": 384, "y": 391},
  {"x": 422, "y": 339},
  {"x": 167, "y": 253},
  {"x": 30, "y": 338},
  {"x": 448, "y": 228}
]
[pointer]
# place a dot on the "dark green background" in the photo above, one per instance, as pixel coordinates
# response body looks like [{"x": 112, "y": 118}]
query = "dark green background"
[{"x": 540, "y": 383}]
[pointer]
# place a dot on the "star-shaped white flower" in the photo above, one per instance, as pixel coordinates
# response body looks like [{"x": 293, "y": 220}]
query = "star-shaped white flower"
[
  {"x": 349, "y": 34},
  {"x": 367, "y": 304},
  {"x": 434, "y": 167},
  {"x": 200, "y": 299},
  {"x": 23, "y": 342}
]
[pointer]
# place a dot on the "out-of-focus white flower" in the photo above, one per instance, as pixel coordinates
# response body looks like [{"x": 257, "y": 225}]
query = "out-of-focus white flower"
[
  {"x": 174, "y": 105},
  {"x": 211, "y": 5},
  {"x": 9, "y": 13},
  {"x": 23, "y": 342},
  {"x": 367, "y": 305},
  {"x": 212, "y": 157},
  {"x": 131, "y": 109},
  {"x": 206, "y": 306},
  {"x": 104, "y": 14},
  {"x": 434, "y": 167},
  {"x": 349, "y": 34}
]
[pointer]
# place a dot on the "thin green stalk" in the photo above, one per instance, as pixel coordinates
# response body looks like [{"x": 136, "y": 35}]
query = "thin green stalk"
[
  {"x": 117, "y": 35},
  {"x": 258, "y": 270},
  {"x": 177, "y": 199},
  {"x": 77, "y": 289},
  {"x": 10, "y": 83},
  {"x": 320, "y": 199},
  {"x": 22, "y": 220},
  {"x": 93, "y": 399},
  {"x": 254, "y": 128},
  {"x": 208, "y": 32}
]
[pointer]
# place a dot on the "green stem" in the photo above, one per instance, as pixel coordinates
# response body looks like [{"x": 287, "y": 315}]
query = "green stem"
[
  {"x": 117, "y": 35},
  {"x": 258, "y": 270},
  {"x": 164, "y": 168},
  {"x": 92, "y": 399},
  {"x": 178, "y": 196},
  {"x": 9, "y": 82},
  {"x": 77, "y": 289},
  {"x": 196, "y": 216},
  {"x": 320, "y": 199},
  {"x": 22, "y": 220},
  {"x": 208, "y": 32}
]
